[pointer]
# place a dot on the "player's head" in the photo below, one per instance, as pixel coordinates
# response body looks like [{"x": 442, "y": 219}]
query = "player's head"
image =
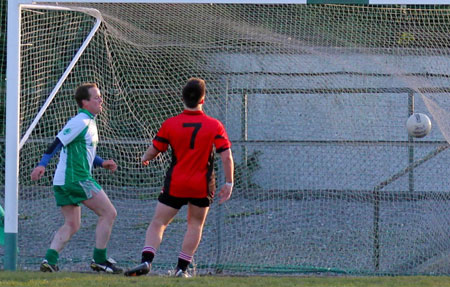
[
  {"x": 194, "y": 92},
  {"x": 88, "y": 97}
]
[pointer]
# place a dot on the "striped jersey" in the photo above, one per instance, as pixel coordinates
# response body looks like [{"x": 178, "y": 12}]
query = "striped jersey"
[
  {"x": 192, "y": 136},
  {"x": 79, "y": 138}
]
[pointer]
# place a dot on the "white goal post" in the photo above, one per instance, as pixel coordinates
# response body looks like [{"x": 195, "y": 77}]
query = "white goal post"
[
  {"x": 14, "y": 142},
  {"x": 13, "y": 147}
]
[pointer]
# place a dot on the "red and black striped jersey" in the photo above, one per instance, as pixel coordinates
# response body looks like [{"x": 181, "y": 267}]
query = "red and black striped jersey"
[{"x": 191, "y": 135}]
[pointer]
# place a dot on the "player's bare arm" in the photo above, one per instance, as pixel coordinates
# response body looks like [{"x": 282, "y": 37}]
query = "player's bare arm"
[
  {"x": 150, "y": 154},
  {"x": 228, "y": 166}
]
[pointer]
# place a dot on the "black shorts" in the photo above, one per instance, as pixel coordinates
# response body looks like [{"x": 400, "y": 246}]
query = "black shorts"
[{"x": 178, "y": 202}]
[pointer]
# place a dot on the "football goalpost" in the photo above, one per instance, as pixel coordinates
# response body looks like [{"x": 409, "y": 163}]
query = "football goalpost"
[{"x": 314, "y": 94}]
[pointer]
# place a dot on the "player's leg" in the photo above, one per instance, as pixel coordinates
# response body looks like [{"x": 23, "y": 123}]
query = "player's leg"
[
  {"x": 195, "y": 220},
  {"x": 102, "y": 206},
  {"x": 162, "y": 217},
  {"x": 72, "y": 219}
]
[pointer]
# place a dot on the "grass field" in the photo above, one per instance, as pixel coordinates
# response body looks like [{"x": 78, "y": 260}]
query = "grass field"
[{"x": 66, "y": 279}]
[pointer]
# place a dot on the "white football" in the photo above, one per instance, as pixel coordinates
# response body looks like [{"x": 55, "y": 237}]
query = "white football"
[{"x": 418, "y": 125}]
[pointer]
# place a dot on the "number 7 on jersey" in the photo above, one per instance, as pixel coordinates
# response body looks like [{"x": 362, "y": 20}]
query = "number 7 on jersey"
[{"x": 196, "y": 127}]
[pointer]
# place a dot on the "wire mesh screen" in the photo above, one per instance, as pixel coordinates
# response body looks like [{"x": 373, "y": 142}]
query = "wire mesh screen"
[{"x": 314, "y": 99}]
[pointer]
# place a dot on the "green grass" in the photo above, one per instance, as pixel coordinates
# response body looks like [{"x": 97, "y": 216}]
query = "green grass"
[{"x": 66, "y": 279}]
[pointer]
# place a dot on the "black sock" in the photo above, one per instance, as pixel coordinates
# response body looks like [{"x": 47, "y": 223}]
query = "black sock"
[
  {"x": 147, "y": 257},
  {"x": 182, "y": 264}
]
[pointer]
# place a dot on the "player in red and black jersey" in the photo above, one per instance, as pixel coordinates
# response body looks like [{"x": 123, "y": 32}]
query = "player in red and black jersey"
[{"x": 190, "y": 180}]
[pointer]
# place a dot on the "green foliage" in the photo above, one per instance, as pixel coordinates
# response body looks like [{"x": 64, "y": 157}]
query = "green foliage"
[
  {"x": 243, "y": 214},
  {"x": 243, "y": 171},
  {"x": 24, "y": 216},
  {"x": 246, "y": 213}
]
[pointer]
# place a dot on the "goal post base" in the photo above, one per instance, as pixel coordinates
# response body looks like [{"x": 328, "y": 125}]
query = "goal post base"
[{"x": 10, "y": 251}]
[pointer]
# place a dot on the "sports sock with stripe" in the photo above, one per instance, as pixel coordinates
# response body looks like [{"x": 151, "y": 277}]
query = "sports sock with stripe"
[
  {"x": 184, "y": 260},
  {"x": 148, "y": 253}
]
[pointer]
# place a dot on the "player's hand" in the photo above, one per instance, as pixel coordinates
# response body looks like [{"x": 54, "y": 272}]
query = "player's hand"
[
  {"x": 225, "y": 193},
  {"x": 37, "y": 172},
  {"x": 144, "y": 160},
  {"x": 110, "y": 164}
]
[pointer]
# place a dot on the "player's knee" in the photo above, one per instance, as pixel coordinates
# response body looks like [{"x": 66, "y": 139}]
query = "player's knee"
[
  {"x": 73, "y": 226},
  {"x": 112, "y": 213},
  {"x": 108, "y": 215},
  {"x": 158, "y": 223},
  {"x": 195, "y": 226},
  {"x": 196, "y": 221}
]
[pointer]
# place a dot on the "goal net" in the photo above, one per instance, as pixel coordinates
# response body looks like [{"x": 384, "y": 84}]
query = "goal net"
[{"x": 314, "y": 98}]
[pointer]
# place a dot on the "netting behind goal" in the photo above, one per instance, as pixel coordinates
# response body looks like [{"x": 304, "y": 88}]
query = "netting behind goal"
[{"x": 315, "y": 100}]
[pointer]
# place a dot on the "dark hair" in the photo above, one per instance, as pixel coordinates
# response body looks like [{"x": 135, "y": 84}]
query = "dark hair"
[
  {"x": 82, "y": 93},
  {"x": 193, "y": 92}
]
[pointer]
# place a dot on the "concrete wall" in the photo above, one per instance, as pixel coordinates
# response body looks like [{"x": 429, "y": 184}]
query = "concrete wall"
[{"x": 345, "y": 117}]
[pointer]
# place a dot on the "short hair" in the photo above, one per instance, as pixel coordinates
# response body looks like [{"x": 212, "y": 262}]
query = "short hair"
[
  {"x": 193, "y": 92},
  {"x": 82, "y": 93}
]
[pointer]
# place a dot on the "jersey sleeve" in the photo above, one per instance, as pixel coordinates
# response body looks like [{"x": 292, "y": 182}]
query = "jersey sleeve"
[
  {"x": 161, "y": 140},
  {"x": 50, "y": 152},
  {"x": 221, "y": 141},
  {"x": 71, "y": 130}
]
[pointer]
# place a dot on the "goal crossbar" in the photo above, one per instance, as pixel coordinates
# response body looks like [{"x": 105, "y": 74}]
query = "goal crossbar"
[{"x": 69, "y": 68}]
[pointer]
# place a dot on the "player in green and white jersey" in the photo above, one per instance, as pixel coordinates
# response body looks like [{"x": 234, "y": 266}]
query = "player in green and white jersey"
[{"x": 73, "y": 182}]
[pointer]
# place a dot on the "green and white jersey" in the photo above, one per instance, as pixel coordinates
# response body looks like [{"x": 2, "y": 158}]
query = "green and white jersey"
[{"x": 80, "y": 138}]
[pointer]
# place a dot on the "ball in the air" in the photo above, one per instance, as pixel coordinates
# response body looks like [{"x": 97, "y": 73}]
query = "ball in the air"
[{"x": 418, "y": 125}]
